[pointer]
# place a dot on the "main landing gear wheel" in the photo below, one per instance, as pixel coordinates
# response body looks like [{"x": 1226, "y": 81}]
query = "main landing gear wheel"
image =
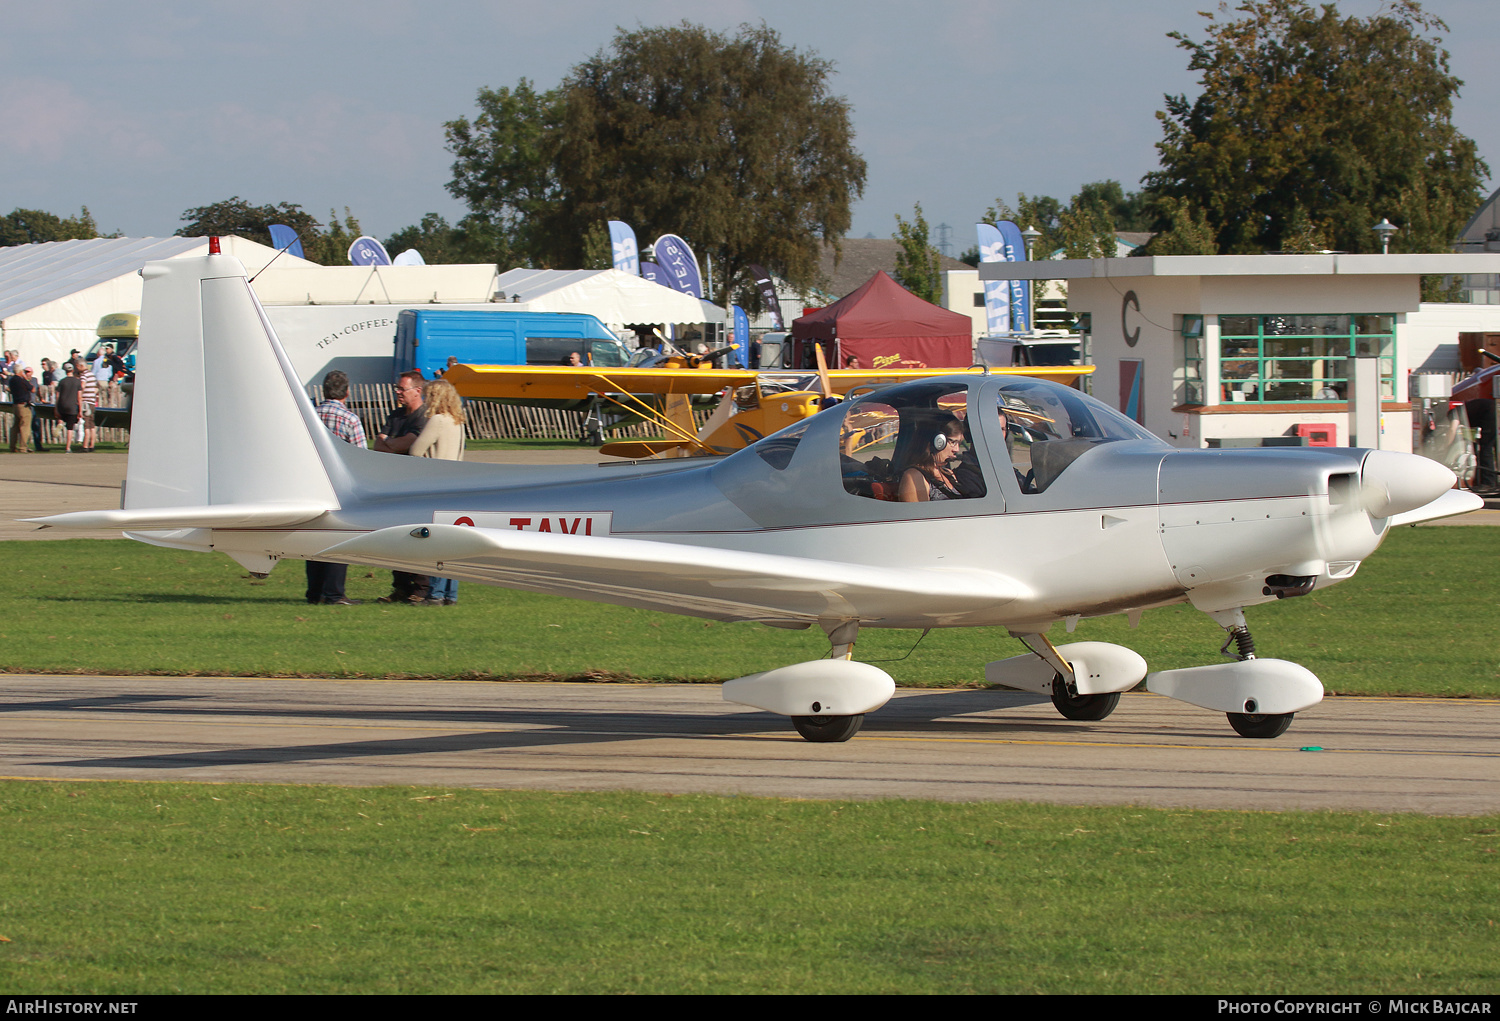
[
  {"x": 1082, "y": 707},
  {"x": 828, "y": 728},
  {"x": 1260, "y": 724}
]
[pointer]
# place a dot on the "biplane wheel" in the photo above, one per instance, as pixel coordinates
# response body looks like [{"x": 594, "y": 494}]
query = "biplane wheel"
[
  {"x": 1082, "y": 707},
  {"x": 1260, "y": 724},
  {"x": 828, "y": 728}
]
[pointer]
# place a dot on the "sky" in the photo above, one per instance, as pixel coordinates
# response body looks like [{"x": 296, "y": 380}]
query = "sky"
[{"x": 142, "y": 110}]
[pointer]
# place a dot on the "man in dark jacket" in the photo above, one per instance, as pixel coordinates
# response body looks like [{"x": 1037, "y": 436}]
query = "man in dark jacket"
[{"x": 21, "y": 389}]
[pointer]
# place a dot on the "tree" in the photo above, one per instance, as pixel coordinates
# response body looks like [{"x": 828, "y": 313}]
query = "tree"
[
  {"x": 1187, "y": 231},
  {"x": 1313, "y": 126},
  {"x": 735, "y": 143},
  {"x": 33, "y": 226},
  {"x": 1108, "y": 200},
  {"x": 917, "y": 263},
  {"x": 505, "y": 169},
  {"x": 474, "y": 239},
  {"x": 1042, "y": 212},
  {"x": 238, "y": 217}
]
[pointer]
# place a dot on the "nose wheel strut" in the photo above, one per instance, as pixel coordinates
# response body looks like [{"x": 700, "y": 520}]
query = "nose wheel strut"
[{"x": 1248, "y": 723}]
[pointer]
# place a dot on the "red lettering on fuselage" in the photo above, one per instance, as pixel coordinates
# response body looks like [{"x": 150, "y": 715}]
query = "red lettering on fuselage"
[{"x": 544, "y": 521}]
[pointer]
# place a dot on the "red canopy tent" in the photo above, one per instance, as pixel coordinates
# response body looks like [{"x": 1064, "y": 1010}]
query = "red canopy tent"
[{"x": 885, "y": 326}]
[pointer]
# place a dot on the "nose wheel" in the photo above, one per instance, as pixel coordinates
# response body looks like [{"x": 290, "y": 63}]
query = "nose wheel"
[
  {"x": 828, "y": 728},
  {"x": 1260, "y": 724},
  {"x": 1248, "y": 724}
]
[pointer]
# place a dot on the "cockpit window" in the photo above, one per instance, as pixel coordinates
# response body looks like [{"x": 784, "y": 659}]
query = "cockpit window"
[
  {"x": 1048, "y": 427},
  {"x": 910, "y": 444},
  {"x": 777, "y": 449}
]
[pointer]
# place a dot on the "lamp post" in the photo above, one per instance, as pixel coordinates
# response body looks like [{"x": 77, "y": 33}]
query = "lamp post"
[
  {"x": 1383, "y": 230},
  {"x": 1029, "y": 235}
]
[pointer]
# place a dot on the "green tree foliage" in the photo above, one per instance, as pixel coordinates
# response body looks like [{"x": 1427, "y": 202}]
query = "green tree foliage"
[
  {"x": 598, "y": 253},
  {"x": 1085, "y": 227},
  {"x": 735, "y": 143},
  {"x": 33, "y": 226},
  {"x": 1187, "y": 231},
  {"x": 474, "y": 239},
  {"x": 1108, "y": 200},
  {"x": 917, "y": 263},
  {"x": 505, "y": 170},
  {"x": 328, "y": 247},
  {"x": 1311, "y": 125}
]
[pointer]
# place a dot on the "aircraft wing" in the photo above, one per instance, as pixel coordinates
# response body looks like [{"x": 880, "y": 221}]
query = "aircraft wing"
[
  {"x": 575, "y": 382},
  {"x": 843, "y": 380},
  {"x": 678, "y": 578}
]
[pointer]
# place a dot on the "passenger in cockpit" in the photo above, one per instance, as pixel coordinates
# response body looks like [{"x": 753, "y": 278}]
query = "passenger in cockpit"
[{"x": 930, "y": 476}]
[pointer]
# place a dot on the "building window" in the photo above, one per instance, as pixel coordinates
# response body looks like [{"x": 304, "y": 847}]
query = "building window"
[
  {"x": 1192, "y": 360},
  {"x": 1281, "y": 359}
]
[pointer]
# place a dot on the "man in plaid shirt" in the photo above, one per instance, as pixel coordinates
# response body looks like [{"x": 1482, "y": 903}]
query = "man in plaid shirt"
[{"x": 325, "y": 582}]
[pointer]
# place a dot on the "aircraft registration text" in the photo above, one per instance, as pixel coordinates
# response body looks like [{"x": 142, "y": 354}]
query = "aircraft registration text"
[{"x": 569, "y": 522}]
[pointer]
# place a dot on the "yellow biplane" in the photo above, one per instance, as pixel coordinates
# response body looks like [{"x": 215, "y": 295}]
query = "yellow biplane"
[{"x": 754, "y": 403}]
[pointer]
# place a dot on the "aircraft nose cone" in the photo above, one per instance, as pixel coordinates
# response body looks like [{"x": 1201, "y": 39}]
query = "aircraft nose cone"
[{"x": 1393, "y": 483}]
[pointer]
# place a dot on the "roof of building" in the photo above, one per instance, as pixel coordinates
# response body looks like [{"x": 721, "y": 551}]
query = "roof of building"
[{"x": 862, "y": 258}]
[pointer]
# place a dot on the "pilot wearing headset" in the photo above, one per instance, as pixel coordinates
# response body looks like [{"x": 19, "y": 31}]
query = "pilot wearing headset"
[{"x": 931, "y": 476}]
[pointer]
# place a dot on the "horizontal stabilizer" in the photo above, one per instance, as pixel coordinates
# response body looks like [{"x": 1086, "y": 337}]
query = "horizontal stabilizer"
[
  {"x": 677, "y": 578},
  {"x": 219, "y": 515}
]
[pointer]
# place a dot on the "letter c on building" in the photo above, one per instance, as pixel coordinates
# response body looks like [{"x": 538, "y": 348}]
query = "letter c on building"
[{"x": 1131, "y": 301}]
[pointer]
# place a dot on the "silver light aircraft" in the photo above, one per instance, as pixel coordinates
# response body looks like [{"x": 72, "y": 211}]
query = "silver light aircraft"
[{"x": 1043, "y": 506}]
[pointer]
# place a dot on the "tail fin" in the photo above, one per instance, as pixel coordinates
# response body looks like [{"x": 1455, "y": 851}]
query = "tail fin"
[{"x": 221, "y": 431}]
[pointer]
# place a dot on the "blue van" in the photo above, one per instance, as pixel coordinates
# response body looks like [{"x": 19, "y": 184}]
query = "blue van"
[{"x": 426, "y": 338}]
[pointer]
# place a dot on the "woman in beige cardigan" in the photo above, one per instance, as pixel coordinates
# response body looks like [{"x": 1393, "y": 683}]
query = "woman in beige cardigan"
[{"x": 443, "y": 438}]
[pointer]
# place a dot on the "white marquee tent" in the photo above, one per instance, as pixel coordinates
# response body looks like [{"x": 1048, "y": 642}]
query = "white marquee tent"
[
  {"x": 52, "y": 295},
  {"x": 620, "y": 299}
]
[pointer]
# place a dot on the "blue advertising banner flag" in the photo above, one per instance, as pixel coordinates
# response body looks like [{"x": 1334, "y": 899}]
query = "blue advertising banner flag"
[
  {"x": 654, "y": 273},
  {"x": 284, "y": 237},
  {"x": 366, "y": 251},
  {"x": 1020, "y": 292},
  {"x": 741, "y": 337},
  {"x": 996, "y": 292},
  {"x": 622, "y": 244},
  {"x": 674, "y": 256}
]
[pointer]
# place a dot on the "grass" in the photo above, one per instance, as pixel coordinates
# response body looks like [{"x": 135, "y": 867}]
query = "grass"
[
  {"x": 139, "y": 888},
  {"x": 525, "y": 443},
  {"x": 1412, "y": 621},
  {"x": 150, "y": 888}
]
